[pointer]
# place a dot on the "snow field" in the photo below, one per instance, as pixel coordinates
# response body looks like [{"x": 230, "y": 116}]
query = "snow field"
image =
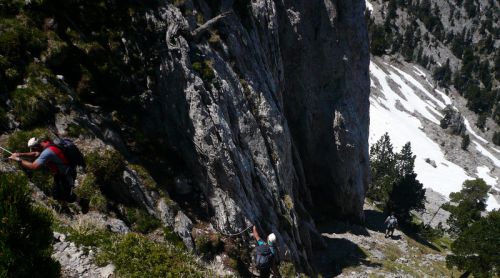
[{"x": 404, "y": 127}]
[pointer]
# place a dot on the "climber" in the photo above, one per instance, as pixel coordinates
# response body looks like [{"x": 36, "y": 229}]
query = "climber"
[
  {"x": 265, "y": 254},
  {"x": 392, "y": 222},
  {"x": 47, "y": 154}
]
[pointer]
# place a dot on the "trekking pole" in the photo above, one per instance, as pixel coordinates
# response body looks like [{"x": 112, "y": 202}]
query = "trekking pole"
[{"x": 6, "y": 150}]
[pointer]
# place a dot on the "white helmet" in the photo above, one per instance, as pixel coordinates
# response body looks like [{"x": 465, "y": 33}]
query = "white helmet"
[
  {"x": 271, "y": 238},
  {"x": 33, "y": 142}
]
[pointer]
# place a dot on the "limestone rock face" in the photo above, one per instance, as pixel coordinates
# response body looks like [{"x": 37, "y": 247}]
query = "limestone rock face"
[
  {"x": 266, "y": 106},
  {"x": 76, "y": 262}
]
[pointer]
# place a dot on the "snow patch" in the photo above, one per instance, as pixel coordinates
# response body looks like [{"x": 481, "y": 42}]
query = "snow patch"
[
  {"x": 492, "y": 204},
  {"x": 486, "y": 153},
  {"x": 471, "y": 131},
  {"x": 411, "y": 102},
  {"x": 447, "y": 99},
  {"x": 418, "y": 71},
  {"x": 447, "y": 177},
  {"x": 405, "y": 126},
  {"x": 484, "y": 173},
  {"x": 419, "y": 86}
]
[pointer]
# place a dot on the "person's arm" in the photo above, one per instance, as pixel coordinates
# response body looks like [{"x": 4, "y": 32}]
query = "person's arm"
[
  {"x": 24, "y": 163},
  {"x": 28, "y": 154},
  {"x": 255, "y": 233}
]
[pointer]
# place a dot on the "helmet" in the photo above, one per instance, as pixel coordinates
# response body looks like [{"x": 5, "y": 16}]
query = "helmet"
[
  {"x": 271, "y": 238},
  {"x": 33, "y": 142}
]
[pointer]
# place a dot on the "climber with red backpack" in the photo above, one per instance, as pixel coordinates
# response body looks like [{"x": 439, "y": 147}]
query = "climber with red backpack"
[
  {"x": 62, "y": 157},
  {"x": 265, "y": 255}
]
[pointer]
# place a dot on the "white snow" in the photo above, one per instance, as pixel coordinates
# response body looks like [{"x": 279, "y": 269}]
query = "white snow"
[
  {"x": 471, "y": 131},
  {"x": 447, "y": 99},
  {"x": 369, "y": 6},
  {"x": 404, "y": 127},
  {"x": 484, "y": 173},
  {"x": 419, "y": 86},
  {"x": 447, "y": 177},
  {"x": 410, "y": 102},
  {"x": 492, "y": 204},
  {"x": 418, "y": 71},
  {"x": 495, "y": 149},
  {"x": 486, "y": 153}
]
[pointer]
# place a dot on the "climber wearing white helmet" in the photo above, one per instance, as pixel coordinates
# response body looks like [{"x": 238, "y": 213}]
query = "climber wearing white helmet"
[
  {"x": 265, "y": 254},
  {"x": 46, "y": 154}
]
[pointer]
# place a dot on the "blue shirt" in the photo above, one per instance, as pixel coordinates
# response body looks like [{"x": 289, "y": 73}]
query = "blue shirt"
[
  {"x": 261, "y": 242},
  {"x": 48, "y": 156}
]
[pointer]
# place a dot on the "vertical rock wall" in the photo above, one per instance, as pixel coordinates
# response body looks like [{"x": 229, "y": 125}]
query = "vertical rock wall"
[{"x": 267, "y": 109}]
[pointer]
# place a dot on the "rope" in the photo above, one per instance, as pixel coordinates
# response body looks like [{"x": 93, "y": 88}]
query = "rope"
[{"x": 235, "y": 234}]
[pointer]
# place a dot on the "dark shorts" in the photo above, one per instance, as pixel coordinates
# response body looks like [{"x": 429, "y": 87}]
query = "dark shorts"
[{"x": 63, "y": 188}]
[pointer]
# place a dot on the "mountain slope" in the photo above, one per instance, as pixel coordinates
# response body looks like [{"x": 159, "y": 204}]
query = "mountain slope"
[
  {"x": 405, "y": 104},
  {"x": 240, "y": 112}
]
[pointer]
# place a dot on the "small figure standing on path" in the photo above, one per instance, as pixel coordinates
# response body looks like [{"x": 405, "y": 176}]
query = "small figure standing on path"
[
  {"x": 265, "y": 254},
  {"x": 392, "y": 222}
]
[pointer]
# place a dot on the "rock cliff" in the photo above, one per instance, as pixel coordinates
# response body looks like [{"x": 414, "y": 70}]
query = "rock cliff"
[
  {"x": 276, "y": 120},
  {"x": 257, "y": 111}
]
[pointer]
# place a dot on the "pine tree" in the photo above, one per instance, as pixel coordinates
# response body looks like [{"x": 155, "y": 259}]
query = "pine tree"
[
  {"x": 496, "y": 138},
  {"x": 379, "y": 42},
  {"x": 394, "y": 181},
  {"x": 481, "y": 121},
  {"x": 465, "y": 142},
  {"x": 443, "y": 74},
  {"x": 476, "y": 250},
  {"x": 465, "y": 207},
  {"x": 407, "y": 193},
  {"x": 470, "y": 7},
  {"x": 383, "y": 166}
]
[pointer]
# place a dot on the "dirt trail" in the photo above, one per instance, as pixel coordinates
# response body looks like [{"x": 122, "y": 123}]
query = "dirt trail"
[{"x": 357, "y": 251}]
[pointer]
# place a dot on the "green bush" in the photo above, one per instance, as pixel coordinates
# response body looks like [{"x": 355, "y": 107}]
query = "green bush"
[
  {"x": 42, "y": 180},
  {"x": 140, "y": 221},
  {"x": 29, "y": 107},
  {"x": 25, "y": 233},
  {"x": 173, "y": 238},
  {"x": 136, "y": 256},
  {"x": 107, "y": 166},
  {"x": 90, "y": 236},
  {"x": 89, "y": 190},
  {"x": 146, "y": 178},
  {"x": 19, "y": 43},
  {"x": 209, "y": 245},
  {"x": 205, "y": 70}
]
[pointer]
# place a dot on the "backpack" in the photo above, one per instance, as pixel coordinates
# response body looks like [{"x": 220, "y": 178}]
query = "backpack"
[
  {"x": 263, "y": 256},
  {"x": 70, "y": 151},
  {"x": 392, "y": 222}
]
